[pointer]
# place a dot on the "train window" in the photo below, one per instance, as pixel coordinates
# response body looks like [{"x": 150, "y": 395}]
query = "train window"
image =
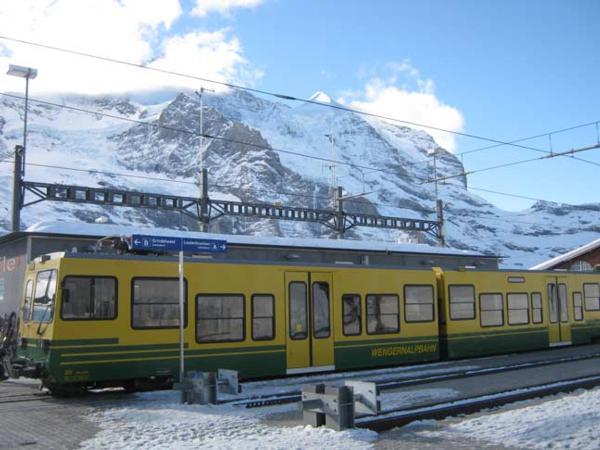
[
  {"x": 591, "y": 293},
  {"x": 518, "y": 309},
  {"x": 553, "y": 300},
  {"x": 536, "y": 308},
  {"x": 220, "y": 318},
  {"x": 418, "y": 303},
  {"x": 562, "y": 296},
  {"x": 27, "y": 301},
  {"x": 577, "y": 306},
  {"x": 462, "y": 302},
  {"x": 383, "y": 314},
  {"x": 298, "y": 311},
  {"x": 89, "y": 298},
  {"x": 263, "y": 317},
  {"x": 351, "y": 312},
  {"x": 491, "y": 310},
  {"x": 320, "y": 308},
  {"x": 43, "y": 299},
  {"x": 155, "y": 303}
]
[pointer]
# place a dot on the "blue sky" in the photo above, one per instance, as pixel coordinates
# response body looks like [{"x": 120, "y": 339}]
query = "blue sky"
[{"x": 500, "y": 69}]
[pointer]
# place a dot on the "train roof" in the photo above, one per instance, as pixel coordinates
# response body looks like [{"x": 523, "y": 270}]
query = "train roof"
[{"x": 101, "y": 230}]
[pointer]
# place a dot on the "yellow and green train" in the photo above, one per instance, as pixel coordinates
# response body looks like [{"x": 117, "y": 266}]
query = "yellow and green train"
[{"x": 90, "y": 320}]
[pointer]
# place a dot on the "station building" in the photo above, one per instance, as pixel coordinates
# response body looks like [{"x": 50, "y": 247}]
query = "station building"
[
  {"x": 18, "y": 249},
  {"x": 582, "y": 259}
]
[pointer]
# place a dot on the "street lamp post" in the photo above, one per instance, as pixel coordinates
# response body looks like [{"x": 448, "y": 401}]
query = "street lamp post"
[{"x": 29, "y": 74}]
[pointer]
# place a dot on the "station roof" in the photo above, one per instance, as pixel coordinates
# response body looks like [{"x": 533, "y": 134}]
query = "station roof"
[
  {"x": 101, "y": 230},
  {"x": 567, "y": 256}
]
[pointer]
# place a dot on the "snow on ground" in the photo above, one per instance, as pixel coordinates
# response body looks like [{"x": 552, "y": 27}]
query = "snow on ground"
[
  {"x": 157, "y": 420},
  {"x": 568, "y": 421}
]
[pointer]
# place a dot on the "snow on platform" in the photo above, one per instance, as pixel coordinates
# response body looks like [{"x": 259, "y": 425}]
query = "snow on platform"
[
  {"x": 565, "y": 421},
  {"x": 157, "y": 420}
]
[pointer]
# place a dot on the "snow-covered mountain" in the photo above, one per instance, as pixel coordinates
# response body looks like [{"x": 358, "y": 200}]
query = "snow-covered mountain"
[{"x": 256, "y": 156}]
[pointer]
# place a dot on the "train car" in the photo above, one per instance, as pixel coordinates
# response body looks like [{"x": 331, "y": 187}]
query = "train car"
[
  {"x": 492, "y": 312},
  {"x": 90, "y": 320}
]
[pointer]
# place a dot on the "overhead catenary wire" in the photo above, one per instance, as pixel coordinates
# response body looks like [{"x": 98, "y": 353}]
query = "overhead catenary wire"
[
  {"x": 513, "y": 163},
  {"x": 156, "y": 125},
  {"x": 352, "y": 165},
  {"x": 528, "y": 138},
  {"x": 279, "y": 150},
  {"x": 258, "y": 91},
  {"x": 194, "y": 133}
]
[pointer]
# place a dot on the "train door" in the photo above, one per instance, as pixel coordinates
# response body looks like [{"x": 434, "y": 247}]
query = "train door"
[
  {"x": 309, "y": 322},
  {"x": 558, "y": 311}
]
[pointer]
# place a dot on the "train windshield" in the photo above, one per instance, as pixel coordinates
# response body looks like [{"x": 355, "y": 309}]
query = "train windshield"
[{"x": 43, "y": 300}]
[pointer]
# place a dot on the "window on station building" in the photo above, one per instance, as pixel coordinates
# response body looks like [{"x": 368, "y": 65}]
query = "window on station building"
[
  {"x": 263, "y": 317},
  {"x": 577, "y": 306},
  {"x": 351, "y": 313},
  {"x": 383, "y": 314},
  {"x": 491, "y": 310},
  {"x": 220, "y": 318},
  {"x": 418, "y": 303},
  {"x": 89, "y": 298},
  {"x": 591, "y": 294},
  {"x": 518, "y": 309},
  {"x": 536, "y": 308},
  {"x": 581, "y": 266},
  {"x": 155, "y": 303},
  {"x": 462, "y": 302},
  {"x": 43, "y": 299}
]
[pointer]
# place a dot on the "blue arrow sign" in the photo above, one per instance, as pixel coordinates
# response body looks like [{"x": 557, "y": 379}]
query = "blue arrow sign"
[
  {"x": 176, "y": 244},
  {"x": 203, "y": 245}
]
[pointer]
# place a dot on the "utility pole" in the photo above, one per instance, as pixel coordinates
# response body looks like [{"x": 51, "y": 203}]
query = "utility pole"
[
  {"x": 333, "y": 167},
  {"x": 203, "y": 172},
  {"x": 439, "y": 205},
  {"x": 440, "y": 218},
  {"x": 433, "y": 152},
  {"x": 17, "y": 187},
  {"x": 338, "y": 201}
]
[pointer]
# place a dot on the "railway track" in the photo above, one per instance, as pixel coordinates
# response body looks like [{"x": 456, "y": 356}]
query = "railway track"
[
  {"x": 405, "y": 381},
  {"x": 398, "y": 417}
]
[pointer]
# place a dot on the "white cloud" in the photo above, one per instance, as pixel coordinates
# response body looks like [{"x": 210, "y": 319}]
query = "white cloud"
[
  {"x": 139, "y": 31},
  {"x": 403, "y": 94},
  {"x": 204, "y": 7}
]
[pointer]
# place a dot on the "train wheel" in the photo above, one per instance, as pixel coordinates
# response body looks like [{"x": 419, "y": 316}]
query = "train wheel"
[{"x": 66, "y": 390}]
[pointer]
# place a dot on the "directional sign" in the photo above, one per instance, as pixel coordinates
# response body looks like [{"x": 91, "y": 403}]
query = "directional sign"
[
  {"x": 176, "y": 244},
  {"x": 203, "y": 245}
]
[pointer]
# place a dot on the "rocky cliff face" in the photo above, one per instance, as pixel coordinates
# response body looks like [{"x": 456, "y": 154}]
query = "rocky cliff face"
[{"x": 255, "y": 155}]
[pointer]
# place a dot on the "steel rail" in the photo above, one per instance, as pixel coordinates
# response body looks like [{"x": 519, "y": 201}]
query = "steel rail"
[
  {"x": 399, "y": 382},
  {"x": 399, "y": 417}
]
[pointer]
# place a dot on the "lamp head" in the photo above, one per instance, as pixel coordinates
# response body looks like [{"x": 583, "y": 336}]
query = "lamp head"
[{"x": 22, "y": 72}]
